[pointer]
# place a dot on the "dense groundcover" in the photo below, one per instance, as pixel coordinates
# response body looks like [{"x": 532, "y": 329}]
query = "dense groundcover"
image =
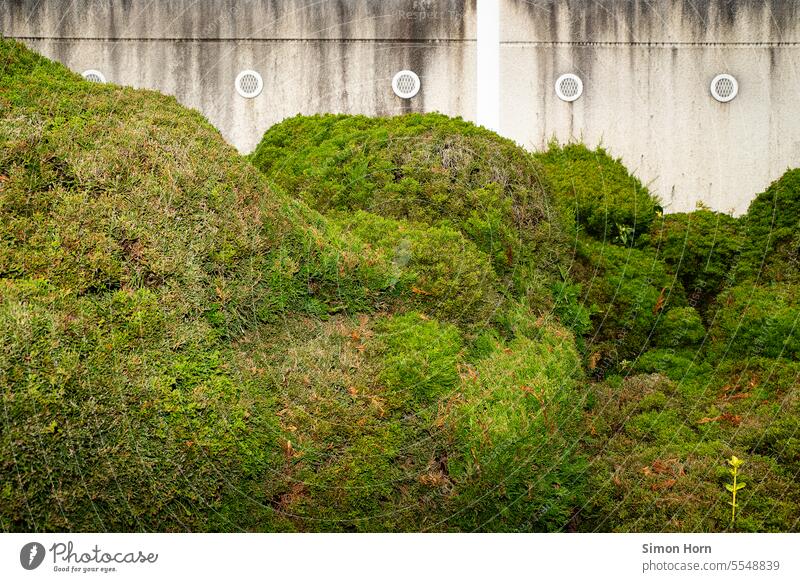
[{"x": 405, "y": 324}]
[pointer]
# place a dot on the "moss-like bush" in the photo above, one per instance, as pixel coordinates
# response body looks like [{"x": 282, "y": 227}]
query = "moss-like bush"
[
  {"x": 428, "y": 169},
  {"x": 702, "y": 248},
  {"x": 629, "y": 292},
  {"x": 660, "y": 448},
  {"x": 387, "y": 424},
  {"x": 772, "y": 232},
  {"x": 679, "y": 327},
  {"x": 605, "y": 200},
  {"x": 436, "y": 269},
  {"x": 357, "y": 401},
  {"x": 517, "y": 421},
  {"x": 757, "y": 320}
]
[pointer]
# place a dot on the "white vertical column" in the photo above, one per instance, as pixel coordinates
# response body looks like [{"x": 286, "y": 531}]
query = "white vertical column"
[{"x": 488, "y": 67}]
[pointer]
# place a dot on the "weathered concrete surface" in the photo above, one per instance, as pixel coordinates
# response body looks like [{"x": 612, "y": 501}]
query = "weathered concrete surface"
[{"x": 646, "y": 67}]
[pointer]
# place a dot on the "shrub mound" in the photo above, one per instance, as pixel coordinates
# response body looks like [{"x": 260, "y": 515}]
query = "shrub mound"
[
  {"x": 758, "y": 320},
  {"x": 428, "y": 169},
  {"x": 596, "y": 190},
  {"x": 631, "y": 295},
  {"x": 660, "y": 445},
  {"x": 771, "y": 230},
  {"x": 702, "y": 248}
]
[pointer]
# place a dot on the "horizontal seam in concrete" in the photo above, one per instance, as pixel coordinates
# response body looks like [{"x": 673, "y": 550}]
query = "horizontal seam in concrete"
[
  {"x": 235, "y": 39},
  {"x": 656, "y": 44}
]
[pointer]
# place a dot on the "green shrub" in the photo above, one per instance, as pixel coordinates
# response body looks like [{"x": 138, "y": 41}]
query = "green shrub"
[
  {"x": 435, "y": 269},
  {"x": 629, "y": 291},
  {"x": 421, "y": 358},
  {"x": 112, "y": 426},
  {"x": 757, "y": 320},
  {"x": 516, "y": 425},
  {"x": 678, "y": 364},
  {"x": 605, "y": 200},
  {"x": 361, "y": 438},
  {"x": 679, "y": 327},
  {"x": 428, "y": 169},
  {"x": 702, "y": 248},
  {"x": 660, "y": 449},
  {"x": 772, "y": 232}
]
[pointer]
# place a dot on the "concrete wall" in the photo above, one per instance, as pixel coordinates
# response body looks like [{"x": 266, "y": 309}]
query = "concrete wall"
[{"x": 646, "y": 67}]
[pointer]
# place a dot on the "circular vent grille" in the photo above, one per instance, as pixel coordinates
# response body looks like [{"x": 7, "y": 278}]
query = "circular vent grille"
[
  {"x": 249, "y": 84},
  {"x": 569, "y": 87},
  {"x": 94, "y": 76},
  {"x": 724, "y": 88},
  {"x": 405, "y": 84}
]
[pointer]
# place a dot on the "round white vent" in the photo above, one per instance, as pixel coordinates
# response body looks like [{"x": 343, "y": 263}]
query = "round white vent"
[
  {"x": 94, "y": 76},
  {"x": 724, "y": 88},
  {"x": 405, "y": 84},
  {"x": 249, "y": 84},
  {"x": 569, "y": 87}
]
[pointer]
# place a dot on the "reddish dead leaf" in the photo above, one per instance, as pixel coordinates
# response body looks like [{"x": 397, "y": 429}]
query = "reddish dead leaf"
[
  {"x": 419, "y": 291},
  {"x": 467, "y": 372},
  {"x": 660, "y": 303},
  {"x": 660, "y": 467},
  {"x": 733, "y": 419},
  {"x": 739, "y": 396},
  {"x": 663, "y": 484},
  {"x": 615, "y": 478},
  {"x": 434, "y": 479}
]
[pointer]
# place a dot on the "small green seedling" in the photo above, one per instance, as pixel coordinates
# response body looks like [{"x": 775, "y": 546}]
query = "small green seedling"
[{"x": 734, "y": 462}]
